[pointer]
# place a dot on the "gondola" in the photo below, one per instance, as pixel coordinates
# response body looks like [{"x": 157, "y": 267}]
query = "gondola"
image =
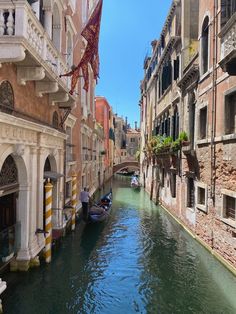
[
  {"x": 100, "y": 211},
  {"x": 135, "y": 184}
]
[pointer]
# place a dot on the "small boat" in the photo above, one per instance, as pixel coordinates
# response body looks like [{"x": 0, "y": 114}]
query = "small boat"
[
  {"x": 100, "y": 211},
  {"x": 135, "y": 182}
]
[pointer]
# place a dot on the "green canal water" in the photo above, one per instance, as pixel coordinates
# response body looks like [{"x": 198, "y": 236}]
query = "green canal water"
[{"x": 139, "y": 261}]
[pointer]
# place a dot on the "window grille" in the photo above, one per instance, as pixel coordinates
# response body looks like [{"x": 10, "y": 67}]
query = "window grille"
[{"x": 6, "y": 97}]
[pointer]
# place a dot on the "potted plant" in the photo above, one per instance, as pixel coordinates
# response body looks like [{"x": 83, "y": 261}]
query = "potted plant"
[
  {"x": 167, "y": 142},
  {"x": 175, "y": 146},
  {"x": 183, "y": 138}
]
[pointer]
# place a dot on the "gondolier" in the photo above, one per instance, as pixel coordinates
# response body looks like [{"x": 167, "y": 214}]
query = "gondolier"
[
  {"x": 100, "y": 211},
  {"x": 84, "y": 197}
]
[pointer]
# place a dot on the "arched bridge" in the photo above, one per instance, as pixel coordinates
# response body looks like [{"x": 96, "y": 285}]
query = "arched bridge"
[{"x": 126, "y": 164}]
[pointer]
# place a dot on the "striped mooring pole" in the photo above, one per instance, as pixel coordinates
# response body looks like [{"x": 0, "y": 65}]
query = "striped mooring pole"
[
  {"x": 48, "y": 222},
  {"x": 73, "y": 200}
]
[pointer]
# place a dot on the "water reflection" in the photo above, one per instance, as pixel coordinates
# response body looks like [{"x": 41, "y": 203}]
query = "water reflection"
[{"x": 139, "y": 261}]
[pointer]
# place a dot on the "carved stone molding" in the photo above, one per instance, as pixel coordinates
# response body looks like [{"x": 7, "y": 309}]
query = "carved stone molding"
[
  {"x": 25, "y": 74},
  {"x": 45, "y": 88},
  {"x": 54, "y": 152},
  {"x": 51, "y": 141},
  {"x": 15, "y": 134},
  {"x": 19, "y": 149},
  {"x": 58, "y": 98}
]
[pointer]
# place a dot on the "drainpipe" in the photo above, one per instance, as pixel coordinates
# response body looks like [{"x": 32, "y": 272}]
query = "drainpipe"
[{"x": 213, "y": 111}]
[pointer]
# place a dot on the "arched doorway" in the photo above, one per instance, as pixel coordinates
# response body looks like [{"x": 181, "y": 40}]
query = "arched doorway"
[{"x": 9, "y": 188}]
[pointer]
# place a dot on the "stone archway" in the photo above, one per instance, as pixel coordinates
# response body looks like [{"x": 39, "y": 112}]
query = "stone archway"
[{"x": 127, "y": 164}]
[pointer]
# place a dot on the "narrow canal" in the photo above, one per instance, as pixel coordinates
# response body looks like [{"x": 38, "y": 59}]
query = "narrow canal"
[{"x": 139, "y": 261}]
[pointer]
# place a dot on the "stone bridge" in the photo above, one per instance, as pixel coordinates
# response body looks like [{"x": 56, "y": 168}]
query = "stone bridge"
[{"x": 126, "y": 164}]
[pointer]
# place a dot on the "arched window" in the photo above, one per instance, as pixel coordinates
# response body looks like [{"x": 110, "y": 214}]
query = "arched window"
[
  {"x": 6, "y": 97},
  {"x": 9, "y": 173},
  {"x": 56, "y": 27},
  {"x": 47, "y": 165},
  {"x": 205, "y": 45},
  {"x": 55, "y": 120}
]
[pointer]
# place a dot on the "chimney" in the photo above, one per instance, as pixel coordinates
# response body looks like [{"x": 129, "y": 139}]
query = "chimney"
[{"x": 135, "y": 125}]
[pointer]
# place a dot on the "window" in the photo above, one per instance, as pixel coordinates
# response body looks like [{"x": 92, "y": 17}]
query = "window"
[
  {"x": 6, "y": 97},
  {"x": 41, "y": 13},
  {"x": 205, "y": 45},
  {"x": 162, "y": 41},
  {"x": 230, "y": 207},
  {"x": 175, "y": 125},
  {"x": 173, "y": 185},
  {"x": 201, "y": 197},
  {"x": 190, "y": 192},
  {"x": 228, "y": 8},
  {"x": 203, "y": 123},
  {"x": 132, "y": 139},
  {"x": 192, "y": 108},
  {"x": 56, "y": 28},
  {"x": 166, "y": 78},
  {"x": 55, "y": 120},
  {"x": 8, "y": 173},
  {"x": 230, "y": 113},
  {"x": 229, "y": 203},
  {"x": 176, "y": 68}
]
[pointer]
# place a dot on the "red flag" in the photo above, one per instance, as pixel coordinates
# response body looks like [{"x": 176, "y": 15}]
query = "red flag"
[{"x": 91, "y": 34}]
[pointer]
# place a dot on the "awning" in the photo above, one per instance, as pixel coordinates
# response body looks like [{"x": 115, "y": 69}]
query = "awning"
[{"x": 54, "y": 176}]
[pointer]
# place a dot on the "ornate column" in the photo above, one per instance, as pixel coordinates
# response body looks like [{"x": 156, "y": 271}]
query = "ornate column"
[
  {"x": 48, "y": 221},
  {"x": 73, "y": 200},
  {"x": 33, "y": 240},
  {"x": 23, "y": 255}
]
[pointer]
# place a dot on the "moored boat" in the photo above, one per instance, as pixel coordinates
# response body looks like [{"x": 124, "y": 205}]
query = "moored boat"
[{"x": 100, "y": 211}]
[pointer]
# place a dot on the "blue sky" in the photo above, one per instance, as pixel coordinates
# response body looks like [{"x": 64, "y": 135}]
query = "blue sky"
[{"x": 127, "y": 29}]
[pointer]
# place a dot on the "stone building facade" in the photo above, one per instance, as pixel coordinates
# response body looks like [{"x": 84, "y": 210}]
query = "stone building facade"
[
  {"x": 104, "y": 117},
  {"x": 194, "y": 178},
  {"x": 120, "y": 139},
  {"x": 43, "y": 128},
  {"x": 132, "y": 143}
]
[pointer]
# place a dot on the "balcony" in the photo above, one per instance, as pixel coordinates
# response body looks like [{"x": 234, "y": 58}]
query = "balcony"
[
  {"x": 25, "y": 42},
  {"x": 228, "y": 46}
]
